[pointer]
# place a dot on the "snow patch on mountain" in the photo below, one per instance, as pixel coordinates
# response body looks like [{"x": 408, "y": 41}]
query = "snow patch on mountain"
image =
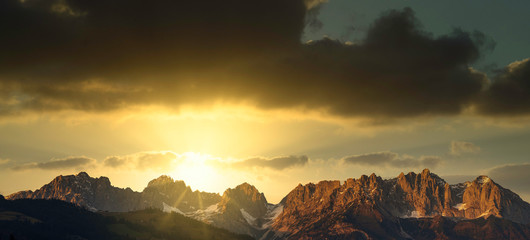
[
  {"x": 214, "y": 208},
  {"x": 483, "y": 179},
  {"x": 168, "y": 209},
  {"x": 413, "y": 214},
  {"x": 249, "y": 218},
  {"x": 485, "y": 214},
  {"x": 273, "y": 211},
  {"x": 206, "y": 214},
  {"x": 459, "y": 188},
  {"x": 460, "y": 206}
]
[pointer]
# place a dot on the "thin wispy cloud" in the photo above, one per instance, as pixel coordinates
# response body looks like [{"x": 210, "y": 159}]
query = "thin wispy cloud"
[
  {"x": 391, "y": 159},
  {"x": 276, "y": 163},
  {"x": 73, "y": 162},
  {"x": 144, "y": 161},
  {"x": 4, "y": 161},
  {"x": 458, "y": 148}
]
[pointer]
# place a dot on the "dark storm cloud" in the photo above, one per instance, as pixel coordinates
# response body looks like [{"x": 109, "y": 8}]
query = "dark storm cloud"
[
  {"x": 139, "y": 52},
  {"x": 398, "y": 71},
  {"x": 95, "y": 55},
  {"x": 63, "y": 163},
  {"x": 509, "y": 94},
  {"x": 514, "y": 176},
  {"x": 393, "y": 159},
  {"x": 278, "y": 163}
]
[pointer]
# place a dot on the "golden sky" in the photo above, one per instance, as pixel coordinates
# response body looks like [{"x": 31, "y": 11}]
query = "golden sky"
[{"x": 218, "y": 93}]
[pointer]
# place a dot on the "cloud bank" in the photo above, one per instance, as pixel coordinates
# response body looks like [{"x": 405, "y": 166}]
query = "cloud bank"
[
  {"x": 100, "y": 56},
  {"x": 55, "y": 164},
  {"x": 4, "y": 161},
  {"x": 457, "y": 148},
  {"x": 391, "y": 159},
  {"x": 164, "y": 160},
  {"x": 509, "y": 94},
  {"x": 277, "y": 163},
  {"x": 144, "y": 161}
]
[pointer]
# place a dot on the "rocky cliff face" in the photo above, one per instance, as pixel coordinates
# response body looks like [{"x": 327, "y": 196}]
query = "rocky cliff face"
[{"x": 373, "y": 207}]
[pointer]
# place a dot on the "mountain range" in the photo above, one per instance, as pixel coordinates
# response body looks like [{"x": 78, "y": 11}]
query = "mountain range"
[{"x": 410, "y": 206}]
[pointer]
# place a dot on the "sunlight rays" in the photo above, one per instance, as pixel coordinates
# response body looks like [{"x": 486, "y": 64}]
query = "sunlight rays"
[{"x": 196, "y": 172}]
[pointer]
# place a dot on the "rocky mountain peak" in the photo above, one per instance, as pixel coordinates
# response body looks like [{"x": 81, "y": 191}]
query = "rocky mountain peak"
[
  {"x": 103, "y": 181},
  {"x": 244, "y": 196},
  {"x": 83, "y": 175},
  {"x": 372, "y": 182},
  {"x": 83, "y": 190},
  {"x": 248, "y": 189},
  {"x": 164, "y": 191},
  {"x": 483, "y": 179},
  {"x": 427, "y": 174},
  {"x": 425, "y": 179},
  {"x": 162, "y": 180}
]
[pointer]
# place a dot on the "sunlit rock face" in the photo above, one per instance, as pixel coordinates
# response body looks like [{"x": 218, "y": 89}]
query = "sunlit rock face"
[
  {"x": 371, "y": 206},
  {"x": 484, "y": 197}
]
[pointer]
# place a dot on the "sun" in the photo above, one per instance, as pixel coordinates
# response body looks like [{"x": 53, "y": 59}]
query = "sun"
[{"x": 197, "y": 173}]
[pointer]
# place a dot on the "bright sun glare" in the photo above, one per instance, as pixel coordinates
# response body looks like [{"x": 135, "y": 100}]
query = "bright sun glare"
[{"x": 196, "y": 172}]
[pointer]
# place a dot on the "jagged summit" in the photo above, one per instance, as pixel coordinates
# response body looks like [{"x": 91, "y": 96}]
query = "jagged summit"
[
  {"x": 164, "y": 179},
  {"x": 245, "y": 185},
  {"x": 244, "y": 196},
  {"x": 83, "y": 175},
  {"x": 248, "y": 190},
  {"x": 482, "y": 179},
  {"x": 424, "y": 174}
]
